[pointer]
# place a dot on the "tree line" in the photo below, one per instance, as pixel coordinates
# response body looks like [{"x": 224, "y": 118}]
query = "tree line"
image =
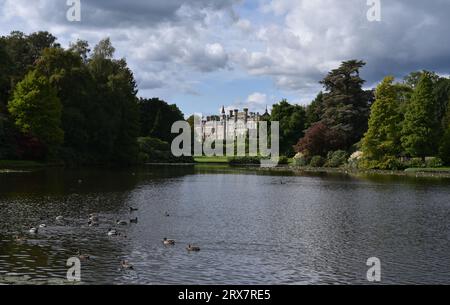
[
  {"x": 396, "y": 125},
  {"x": 74, "y": 105}
]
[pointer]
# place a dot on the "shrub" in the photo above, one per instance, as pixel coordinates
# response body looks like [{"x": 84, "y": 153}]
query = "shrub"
[
  {"x": 155, "y": 150},
  {"x": 244, "y": 161},
  {"x": 433, "y": 162},
  {"x": 355, "y": 159},
  {"x": 283, "y": 160},
  {"x": 336, "y": 158},
  {"x": 300, "y": 159},
  {"x": 317, "y": 161}
]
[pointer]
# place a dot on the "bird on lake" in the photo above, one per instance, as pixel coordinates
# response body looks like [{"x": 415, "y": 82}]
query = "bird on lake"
[
  {"x": 43, "y": 225},
  {"x": 83, "y": 257},
  {"x": 166, "y": 214},
  {"x": 133, "y": 209},
  {"x": 92, "y": 223},
  {"x": 135, "y": 220},
  {"x": 191, "y": 248},
  {"x": 20, "y": 239},
  {"x": 93, "y": 217},
  {"x": 121, "y": 222},
  {"x": 59, "y": 218},
  {"x": 33, "y": 230},
  {"x": 126, "y": 265},
  {"x": 112, "y": 232},
  {"x": 168, "y": 242}
]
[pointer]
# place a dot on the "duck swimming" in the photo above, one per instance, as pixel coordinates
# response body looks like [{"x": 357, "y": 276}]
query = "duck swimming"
[
  {"x": 82, "y": 257},
  {"x": 59, "y": 218},
  {"x": 133, "y": 209},
  {"x": 93, "y": 217},
  {"x": 121, "y": 222},
  {"x": 43, "y": 225},
  {"x": 33, "y": 230},
  {"x": 168, "y": 242},
  {"x": 135, "y": 220},
  {"x": 126, "y": 265},
  {"x": 112, "y": 232},
  {"x": 191, "y": 248}
]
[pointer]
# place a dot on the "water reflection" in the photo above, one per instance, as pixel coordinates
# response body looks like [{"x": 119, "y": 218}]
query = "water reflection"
[{"x": 253, "y": 227}]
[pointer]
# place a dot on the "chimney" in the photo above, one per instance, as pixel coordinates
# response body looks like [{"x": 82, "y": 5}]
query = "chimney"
[
  {"x": 246, "y": 115},
  {"x": 236, "y": 114}
]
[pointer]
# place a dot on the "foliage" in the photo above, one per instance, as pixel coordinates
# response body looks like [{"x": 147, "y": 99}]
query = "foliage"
[
  {"x": 314, "y": 111},
  {"x": 419, "y": 137},
  {"x": 336, "y": 158},
  {"x": 300, "y": 159},
  {"x": 157, "y": 118},
  {"x": 244, "y": 161},
  {"x": 292, "y": 124},
  {"x": 36, "y": 110},
  {"x": 319, "y": 140},
  {"x": 283, "y": 160},
  {"x": 383, "y": 137},
  {"x": 444, "y": 150},
  {"x": 158, "y": 151},
  {"x": 346, "y": 104},
  {"x": 317, "y": 161}
]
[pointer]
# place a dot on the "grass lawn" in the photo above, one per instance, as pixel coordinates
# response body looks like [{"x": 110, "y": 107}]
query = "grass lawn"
[
  {"x": 204, "y": 159},
  {"x": 437, "y": 170},
  {"x": 15, "y": 164}
]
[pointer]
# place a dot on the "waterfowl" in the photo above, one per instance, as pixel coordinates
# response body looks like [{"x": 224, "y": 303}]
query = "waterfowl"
[
  {"x": 59, "y": 218},
  {"x": 33, "y": 230},
  {"x": 121, "y": 222},
  {"x": 166, "y": 214},
  {"x": 112, "y": 232},
  {"x": 135, "y": 220},
  {"x": 191, "y": 248},
  {"x": 93, "y": 217},
  {"x": 20, "y": 238},
  {"x": 43, "y": 225},
  {"x": 127, "y": 265},
  {"x": 83, "y": 257},
  {"x": 133, "y": 209},
  {"x": 168, "y": 242},
  {"x": 92, "y": 223}
]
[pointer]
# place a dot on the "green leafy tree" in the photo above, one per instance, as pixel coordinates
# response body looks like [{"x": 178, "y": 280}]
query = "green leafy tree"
[
  {"x": 292, "y": 125},
  {"x": 157, "y": 118},
  {"x": 382, "y": 140},
  {"x": 346, "y": 104},
  {"x": 314, "y": 111},
  {"x": 419, "y": 137},
  {"x": 36, "y": 110}
]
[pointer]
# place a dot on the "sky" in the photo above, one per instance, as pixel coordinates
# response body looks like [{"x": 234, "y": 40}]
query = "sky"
[{"x": 202, "y": 54}]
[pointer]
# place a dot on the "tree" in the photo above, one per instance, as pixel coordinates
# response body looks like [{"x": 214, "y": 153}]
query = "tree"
[
  {"x": 382, "y": 140},
  {"x": 346, "y": 104},
  {"x": 157, "y": 118},
  {"x": 292, "y": 124},
  {"x": 314, "y": 111},
  {"x": 419, "y": 137},
  {"x": 36, "y": 110},
  {"x": 319, "y": 140}
]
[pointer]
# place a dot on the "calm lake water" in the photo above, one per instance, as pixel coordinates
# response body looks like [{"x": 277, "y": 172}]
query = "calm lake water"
[{"x": 253, "y": 228}]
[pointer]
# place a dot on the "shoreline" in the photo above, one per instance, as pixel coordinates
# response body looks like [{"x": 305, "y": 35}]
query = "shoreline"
[
  {"x": 25, "y": 166},
  {"x": 418, "y": 173}
]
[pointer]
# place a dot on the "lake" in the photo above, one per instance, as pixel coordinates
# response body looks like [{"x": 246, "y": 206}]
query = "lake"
[{"x": 252, "y": 227}]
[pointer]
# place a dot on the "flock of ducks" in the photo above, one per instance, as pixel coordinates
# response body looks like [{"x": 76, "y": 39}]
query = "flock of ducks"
[{"x": 94, "y": 221}]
